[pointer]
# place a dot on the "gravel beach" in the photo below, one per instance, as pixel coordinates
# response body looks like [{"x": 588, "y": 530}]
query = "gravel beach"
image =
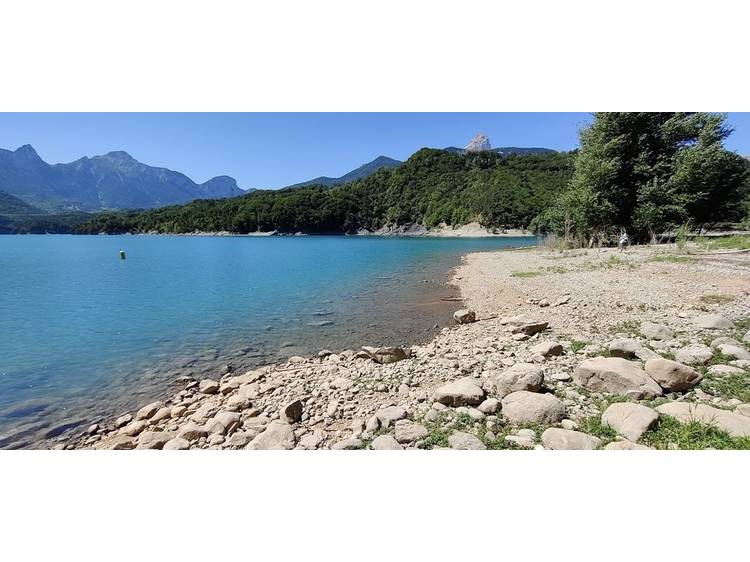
[{"x": 584, "y": 349}]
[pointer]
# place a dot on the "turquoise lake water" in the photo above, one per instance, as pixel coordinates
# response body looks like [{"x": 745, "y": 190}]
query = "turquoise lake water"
[{"x": 85, "y": 335}]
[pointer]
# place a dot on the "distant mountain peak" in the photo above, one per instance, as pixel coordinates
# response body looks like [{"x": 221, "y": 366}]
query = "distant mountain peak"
[
  {"x": 223, "y": 186},
  {"x": 26, "y": 155},
  {"x": 478, "y": 143},
  {"x": 26, "y": 149},
  {"x": 223, "y": 180},
  {"x": 119, "y": 155},
  {"x": 363, "y": 171}
]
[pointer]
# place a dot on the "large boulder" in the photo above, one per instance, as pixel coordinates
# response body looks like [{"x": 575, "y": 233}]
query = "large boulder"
[
  {"x": 654, "y": 331},
  {"x": 149, "y": 410},
  {"x": 309, "y": 441},
  {"x": 616, "y": 376},
  {"x": 734, "y": 351},
  {"x": 724, "y": 370},
  {"x": 625, "y": 445},
  {"x": 191, "y": 431},
  {"x": 384, "y": 355},
  {"x": 671, "y": 375},
  {"x": 407, "y": 431},
  {"x": 153, "y": 439},
  {"x": 385, "y": 443},
  {"x": 716, "y": 342},
  {"x": 384, "y": 417},
  {"x": 629, "y": 420},
  {"x": 746, "y": 337},
  {"x": 696, "y": 354},
  {"x": 223, "y": 423},
  {"x": 118, "y": 443},
  {"x": 567, "y": 439},
  {"x": 735, "y": 424},
  {"x": 547, "y": 349},
  {"x": 123, "y": 420},
  {"x": 489, "y": 406},
  {"x": 531, "y": 407},
  {"x": 465, "y": 442},
  {"x": 465, "y": 316},
  {"x": 523, "y": 324},
  {"x": 278, "y": 435},
  {"x": 627, "y": 348},
  {"x": 713, "y": 322},
  {"x": 208, "y": 386},
  {"x": 177, "y": 444},
  {"x": 351, "y": 444},
  {"x": 521, "y": 376},
  {"x": 463, "y": 392},
  {"x": 291, "y": 412}
]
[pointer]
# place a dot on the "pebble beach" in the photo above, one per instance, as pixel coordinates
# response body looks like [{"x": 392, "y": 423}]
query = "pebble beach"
[{"x": 582, "y": 349}]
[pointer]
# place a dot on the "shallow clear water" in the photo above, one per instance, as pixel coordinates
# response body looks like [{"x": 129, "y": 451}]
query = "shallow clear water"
[{"x": 84, "y": 334}]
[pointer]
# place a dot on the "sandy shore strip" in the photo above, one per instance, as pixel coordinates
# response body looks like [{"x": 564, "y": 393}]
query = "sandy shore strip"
[{"x": 578, "y": 350}]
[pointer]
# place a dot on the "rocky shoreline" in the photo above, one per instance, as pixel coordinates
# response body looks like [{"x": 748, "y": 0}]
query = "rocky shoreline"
[
  {"x": 584, "y": 349},
  {"x": 470, "y": 230}
]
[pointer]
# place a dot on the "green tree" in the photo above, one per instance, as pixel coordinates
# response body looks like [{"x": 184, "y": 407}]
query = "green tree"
[{"x": 648, "y": 172}]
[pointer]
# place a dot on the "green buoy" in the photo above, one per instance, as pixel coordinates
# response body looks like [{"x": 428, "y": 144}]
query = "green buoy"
[{"x": 122, "y": 254}]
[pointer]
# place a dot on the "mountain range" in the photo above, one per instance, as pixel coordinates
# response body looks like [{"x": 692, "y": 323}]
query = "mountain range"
[{"x": 114, "y": 180}]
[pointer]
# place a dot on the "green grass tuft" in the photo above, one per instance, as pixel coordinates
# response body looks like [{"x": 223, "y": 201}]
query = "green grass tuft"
[
  {"x": 694, "y": 435},
  {"x": 576, "y": 346},
  {"x": 632, "y": 327},
  {"x": 731, "y": 386},
  {"x": 593, "y": 426},
  {"x": 717, "y": 299},
  {"x": 526, "y": 274},
  {"x": 733, "y": 242}
]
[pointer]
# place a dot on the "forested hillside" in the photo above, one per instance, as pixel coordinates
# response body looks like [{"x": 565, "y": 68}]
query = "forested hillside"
[{"x": 431, "y": 187}]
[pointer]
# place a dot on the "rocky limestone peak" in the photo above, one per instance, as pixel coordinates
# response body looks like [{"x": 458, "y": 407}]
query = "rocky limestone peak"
[
  {"x": 479, "y": 142},
  {"x": 26, "y": 154}
]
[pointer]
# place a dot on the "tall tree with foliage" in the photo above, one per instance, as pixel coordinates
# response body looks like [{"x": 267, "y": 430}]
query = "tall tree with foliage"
[{"x": 647, "y": 173}]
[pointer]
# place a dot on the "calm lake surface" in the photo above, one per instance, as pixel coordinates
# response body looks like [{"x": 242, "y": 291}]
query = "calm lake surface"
[{"x": 85, "y": 335}]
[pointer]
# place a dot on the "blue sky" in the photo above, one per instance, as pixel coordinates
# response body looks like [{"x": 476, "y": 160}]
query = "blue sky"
[{"x": 277, "y": 149}]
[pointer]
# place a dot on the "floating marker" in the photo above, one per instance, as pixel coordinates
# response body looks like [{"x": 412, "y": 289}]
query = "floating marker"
[{"x": 122, "y": 254}]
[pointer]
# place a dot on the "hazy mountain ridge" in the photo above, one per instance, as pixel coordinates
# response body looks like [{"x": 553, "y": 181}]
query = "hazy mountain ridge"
[
  {"x": 363, "y": 171},
  {"x": 114, "y": 180}
]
